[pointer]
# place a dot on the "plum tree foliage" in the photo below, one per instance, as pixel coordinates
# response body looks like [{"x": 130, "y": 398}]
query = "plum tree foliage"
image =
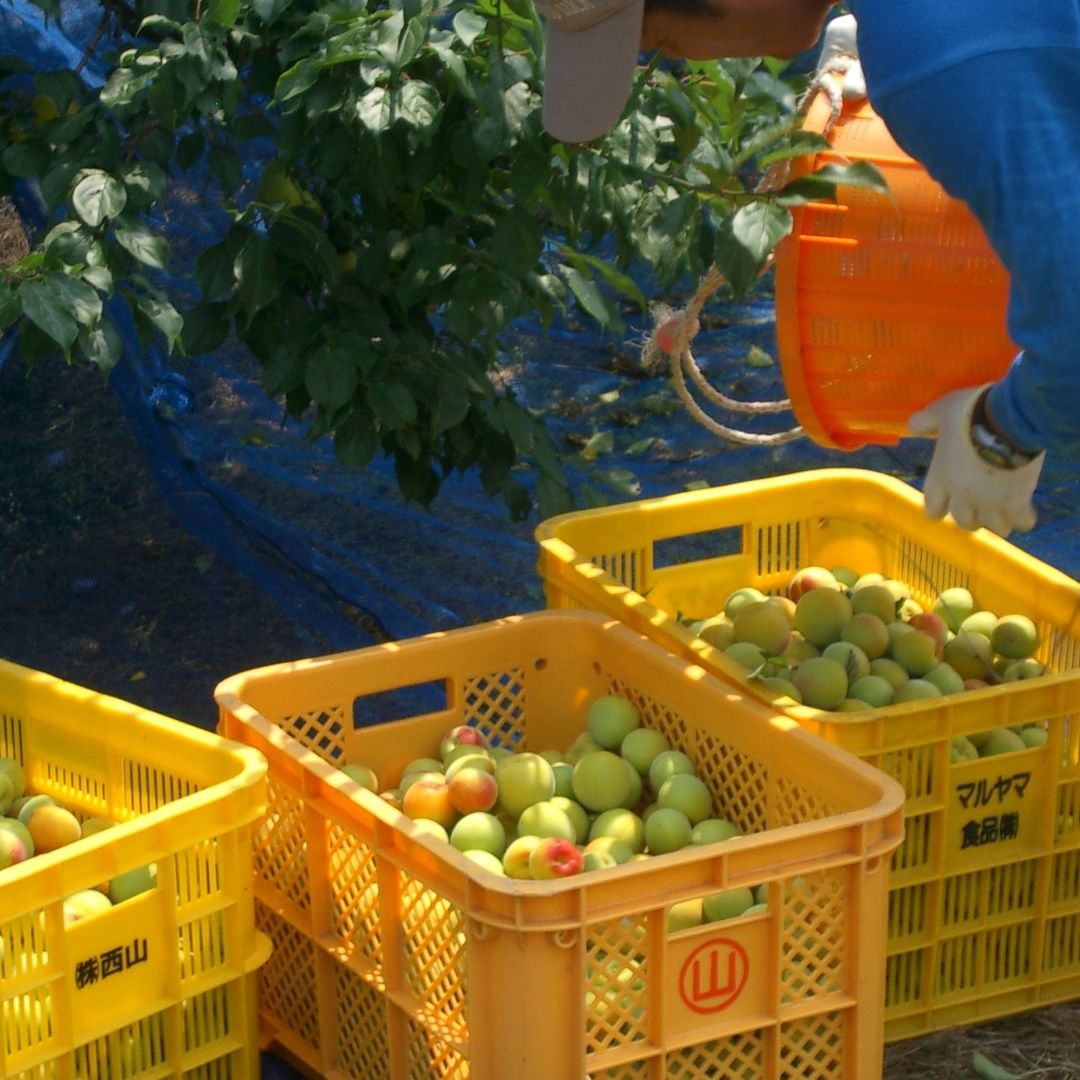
[{"x": 389, "y": 204}]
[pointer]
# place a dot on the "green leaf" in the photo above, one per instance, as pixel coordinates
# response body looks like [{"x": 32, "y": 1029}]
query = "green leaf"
[
  {"x": 10, "y": 309},
  {"x": 68, "y": 241},
  {"x": 163, "y": 316},
  {"x": 517, "y": 242},
  {"x": 745, "y": 240},
  {"x": 40, "y": 305},
  {"x": 519, "y": 424},
  {"x": 269, "y": 10},
  {"x": 331, "y": 377},
  {"x": 624, "y": 283},
  {"x": 215, "y": 268},
  {"x": 145, "y": 183},
  {"x": 800, "y": 143},
  {"x": 336, "y": 150},
  {"x": 226, "y": 166},
  {"x": 820, "y": 186},
  {"x": 283, "y": 371},
  {"x": 223, "y": 12},
  {"x": 62, "y": 85},
  {"x": 419, "y": 104},
  {"x": 452, "y": 404},
  {"x": 411, "y": 41},
  {"x": 159, "y": 26},
  {"x": 552, "y": 495},
  {"x": 356, "y": 440},
  {"x": 28, "y": 160},
  {"x": 416, "y": 479},
  {"x": 468, "y": 26},
  {"x": 587, "y": 295},
  {"x": 100, "y": 277},
  {"x": 257, "y": 275},
  {"x": 295, "y": 81},
  {"x": 624, "y": 482},
  {"x": 141, "y": 244},
  {"x": 98, "y": 197},
  {"x": 206, "y": 326},
  {"x": 75, "y": 296},
  {"x": 101, "y": 344},
  {"x": 388, "y": 35},
  {"x": 393, "y": 405},
  {"x": 659, "y": 229},
  {"x": 857, "y": 174},
  {"x": 295, "y": 237},
  {"x": 602, "y": 442},
  {"x": 374, "y": 110}
]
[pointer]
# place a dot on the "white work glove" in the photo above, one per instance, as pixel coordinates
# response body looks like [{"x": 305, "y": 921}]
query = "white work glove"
[
  {"x": 840, "y": 54},
  {"x": 962, "y": 483}
]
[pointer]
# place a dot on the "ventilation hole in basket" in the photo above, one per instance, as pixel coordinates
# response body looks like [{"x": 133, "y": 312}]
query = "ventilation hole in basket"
[
  {"x": 813, "y": 1047},
  {"x": 540, "y": 664},
  {"x": 360, "y": 1022},
  {"x": 1061, "y": 945},
  {"x": 904, "y": 978}
]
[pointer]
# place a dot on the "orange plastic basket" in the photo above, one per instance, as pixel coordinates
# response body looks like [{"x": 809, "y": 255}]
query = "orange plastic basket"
[
  {"x": 398, "y": 958},
  {"x": 981, "y": 925},
  {"x": 883, "y": 303}
]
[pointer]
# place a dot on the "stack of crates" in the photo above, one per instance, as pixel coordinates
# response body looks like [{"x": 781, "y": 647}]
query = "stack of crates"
[
  {"x": 984, "y": 912},
  {"x": 161, "y": 984},
  {"x": 396, "y": 957}
]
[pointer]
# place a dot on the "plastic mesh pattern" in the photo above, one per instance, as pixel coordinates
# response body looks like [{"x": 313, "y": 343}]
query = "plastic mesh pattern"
[{"x": 616, "y": 973}]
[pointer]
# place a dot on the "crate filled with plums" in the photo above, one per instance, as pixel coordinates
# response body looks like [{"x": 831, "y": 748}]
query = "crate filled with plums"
[
  {"x": 127, "y": 926},
  {"x": 545, "y": 848},
  {"x": 948, "y": 659}
]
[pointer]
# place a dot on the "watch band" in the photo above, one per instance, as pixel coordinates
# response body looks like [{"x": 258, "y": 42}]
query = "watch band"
[{"x": 990, "y": 445}]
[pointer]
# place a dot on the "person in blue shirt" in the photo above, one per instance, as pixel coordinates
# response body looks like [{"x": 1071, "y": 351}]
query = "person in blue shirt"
[{"x": 985, "y": 94}]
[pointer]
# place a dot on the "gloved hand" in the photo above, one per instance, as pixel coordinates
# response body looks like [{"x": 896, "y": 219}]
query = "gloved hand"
[
  {"x": 962, "y": 483},
  {"x": 840, "y": 54}
]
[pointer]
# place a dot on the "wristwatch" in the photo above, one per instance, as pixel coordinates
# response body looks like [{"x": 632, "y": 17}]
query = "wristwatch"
[{"x": 990, "y": 444}]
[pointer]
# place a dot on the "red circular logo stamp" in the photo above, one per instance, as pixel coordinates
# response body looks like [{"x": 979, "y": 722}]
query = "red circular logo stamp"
[{"x": 714, "y": 975}]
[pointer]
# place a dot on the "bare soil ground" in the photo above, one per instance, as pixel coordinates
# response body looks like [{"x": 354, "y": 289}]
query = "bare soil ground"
[{"x": 99, "y": 584}]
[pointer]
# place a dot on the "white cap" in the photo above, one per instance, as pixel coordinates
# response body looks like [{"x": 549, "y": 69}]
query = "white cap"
[{"x": 590, "y": 59}]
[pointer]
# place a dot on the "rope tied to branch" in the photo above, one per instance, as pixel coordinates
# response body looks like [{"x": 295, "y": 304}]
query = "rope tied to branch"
[
  {"x": 669, "y": 343},
  {"x": 839, "y": 76}
]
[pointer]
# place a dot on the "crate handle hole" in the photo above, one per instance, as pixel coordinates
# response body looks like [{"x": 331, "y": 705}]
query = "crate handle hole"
[{"x": 401, "y": 703}]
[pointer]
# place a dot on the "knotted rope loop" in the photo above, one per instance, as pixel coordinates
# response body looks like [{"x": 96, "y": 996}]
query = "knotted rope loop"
[{"x": 670, "y": 342}]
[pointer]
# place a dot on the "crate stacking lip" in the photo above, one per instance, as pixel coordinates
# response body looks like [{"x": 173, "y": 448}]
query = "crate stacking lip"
[
  {"x": 398, "y": 958},
  {"x": 984, "y": 911},
  {"x": 873, "y": 290},
  {"x": 162, "y": 984}
]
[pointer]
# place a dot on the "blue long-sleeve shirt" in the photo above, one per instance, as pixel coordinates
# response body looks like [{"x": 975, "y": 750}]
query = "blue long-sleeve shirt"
[{"x": 985, "y": 94}]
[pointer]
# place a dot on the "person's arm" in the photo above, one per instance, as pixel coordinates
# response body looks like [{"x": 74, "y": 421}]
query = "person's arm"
[{"x": 1008, "y": 160}]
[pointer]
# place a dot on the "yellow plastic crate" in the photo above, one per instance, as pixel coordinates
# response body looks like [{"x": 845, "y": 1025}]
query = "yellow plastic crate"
[
  {"x": 984, "y": 917},
  {"x": 397, "y": 958},
  {"x": 162, "y": 984}
]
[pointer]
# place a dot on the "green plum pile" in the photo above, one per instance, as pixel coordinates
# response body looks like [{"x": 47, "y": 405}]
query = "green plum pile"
[
  {"x": 33, "y": 824},
  {"x": 848, "y": 642},
  {"x": 620, "y": 792}
]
